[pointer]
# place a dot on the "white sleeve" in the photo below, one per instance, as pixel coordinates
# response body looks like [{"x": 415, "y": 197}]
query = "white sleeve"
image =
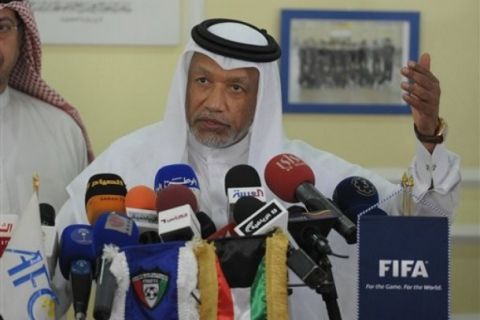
[{"x": 436, "y": 181}]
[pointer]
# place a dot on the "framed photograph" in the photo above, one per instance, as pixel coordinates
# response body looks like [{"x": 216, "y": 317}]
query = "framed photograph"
[{"x": 346, "y": 61}]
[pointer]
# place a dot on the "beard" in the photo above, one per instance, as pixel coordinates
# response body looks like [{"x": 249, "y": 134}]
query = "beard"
[{"x": 218, "y": 139}]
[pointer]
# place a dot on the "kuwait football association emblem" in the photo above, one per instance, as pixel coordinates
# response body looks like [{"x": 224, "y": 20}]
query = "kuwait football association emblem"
[{"x": 150, "y": 287}]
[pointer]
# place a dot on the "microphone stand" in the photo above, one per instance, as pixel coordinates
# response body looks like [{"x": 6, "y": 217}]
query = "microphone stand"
[{"x": 327, "y": 289}]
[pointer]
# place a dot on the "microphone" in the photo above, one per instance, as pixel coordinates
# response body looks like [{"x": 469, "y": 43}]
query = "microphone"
[
  {"x": 177, "y": 174},
  {"x": 49, "y": 235},
  {"x": 262, "y": 220},
  {"x": 354, "y": 195},
  {"x": 76, "y": 261},
  {"x": 207, "y": 227},
  {"x": 292, "y": 180},
  {"x": 140, "y": 206},
  {"x": 176, "y": 205},
  {"x": 140, "y": 197},
  {"x": 119, "y": 231},
  {"x": 264, "y": 217},
  {"x": 310, "y": 229},
  {"x": 105, "y": 192},
  {"x": 183, "y": 174},
  {"x": 47, "y": 214},
  {"x": 115, "y": 229},
  {"x": 242, "y": 181}
]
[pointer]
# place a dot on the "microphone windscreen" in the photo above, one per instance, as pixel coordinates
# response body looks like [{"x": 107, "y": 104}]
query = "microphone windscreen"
[
  {"x": 355, "y": 190},
  {"x": 105, "y": 192},
  {"x": 175, "y": 195},
  {"x": 242, "y": 176},
  {"x": 174, "y": 174},
  {"x": 99, "y": 204},
  {"x": 116, "y": 229},
  {"x": 355, "y": 194},
  {"x": 244, "y": 208},
  {"x": 284, "y": 173},
  {"x": 76, "y": 243},
  {"x": 207, "y": 227},
  {"x": 140, "y": 197},
  {"x": 105, "y": 183},
  {"x": 47, "y": 215}
]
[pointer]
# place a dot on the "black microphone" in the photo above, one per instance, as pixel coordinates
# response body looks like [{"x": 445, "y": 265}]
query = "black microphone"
[
  {"x": 292, "y": 180},
  {"x": 310, "y": 229},
  {"x": 245, "y": 207},
  {"x": 242, "y": 181},
  {"x": 47, "y": 214},
  {"x": 253, "y": 217},
  {"x": 207, "y": 227},
  {"x": 49, "y": 234}
]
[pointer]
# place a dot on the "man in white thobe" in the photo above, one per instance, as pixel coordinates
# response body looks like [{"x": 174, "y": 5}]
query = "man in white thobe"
[{"x": 225, "y": 109}]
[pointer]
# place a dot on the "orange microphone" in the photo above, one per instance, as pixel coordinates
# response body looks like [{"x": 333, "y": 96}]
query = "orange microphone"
[
  {"x": 105, "y": 193},
  {"x": 140, "y": 197},
  {"x": 140, "y": 207}
]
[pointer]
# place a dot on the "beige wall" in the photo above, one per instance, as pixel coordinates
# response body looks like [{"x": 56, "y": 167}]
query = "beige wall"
[{"x": 119, "y": 89}]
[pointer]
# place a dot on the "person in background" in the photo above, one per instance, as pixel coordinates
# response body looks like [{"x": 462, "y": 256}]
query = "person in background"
[
  {"x": 40, "y": 133},
  {"x": 225, "y": 109}
]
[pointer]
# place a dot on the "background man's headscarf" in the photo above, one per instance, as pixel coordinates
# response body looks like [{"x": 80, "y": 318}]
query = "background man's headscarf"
[{"x": 26, "y": 75}]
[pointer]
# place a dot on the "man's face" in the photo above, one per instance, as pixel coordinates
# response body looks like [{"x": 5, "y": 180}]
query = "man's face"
[
  {"x": 220, "y": 103},
  {"x": 10, "y": 42}
]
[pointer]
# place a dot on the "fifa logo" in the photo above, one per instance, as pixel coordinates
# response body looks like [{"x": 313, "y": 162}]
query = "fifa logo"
[{"x": 402, "y": 268}]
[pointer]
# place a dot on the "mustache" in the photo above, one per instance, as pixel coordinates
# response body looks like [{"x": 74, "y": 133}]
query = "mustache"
[{"x": 211, "y": 116}]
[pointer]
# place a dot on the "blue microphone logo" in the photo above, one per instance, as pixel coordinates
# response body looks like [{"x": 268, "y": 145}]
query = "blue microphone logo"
[{"x": 176, "y": 174}]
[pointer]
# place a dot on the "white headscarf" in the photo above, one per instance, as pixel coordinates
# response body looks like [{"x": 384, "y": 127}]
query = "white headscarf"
[{"x": 266, "y": 130}]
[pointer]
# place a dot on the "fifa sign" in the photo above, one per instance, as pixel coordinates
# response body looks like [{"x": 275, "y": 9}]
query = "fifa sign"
[{"x": 402, "y": 268}]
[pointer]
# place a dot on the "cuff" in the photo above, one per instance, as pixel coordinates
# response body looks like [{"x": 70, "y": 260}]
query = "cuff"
[{"x": 434, "y": 170}]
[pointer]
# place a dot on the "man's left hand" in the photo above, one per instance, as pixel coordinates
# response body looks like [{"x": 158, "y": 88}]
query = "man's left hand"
[{"x": 423, "y": 95}]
